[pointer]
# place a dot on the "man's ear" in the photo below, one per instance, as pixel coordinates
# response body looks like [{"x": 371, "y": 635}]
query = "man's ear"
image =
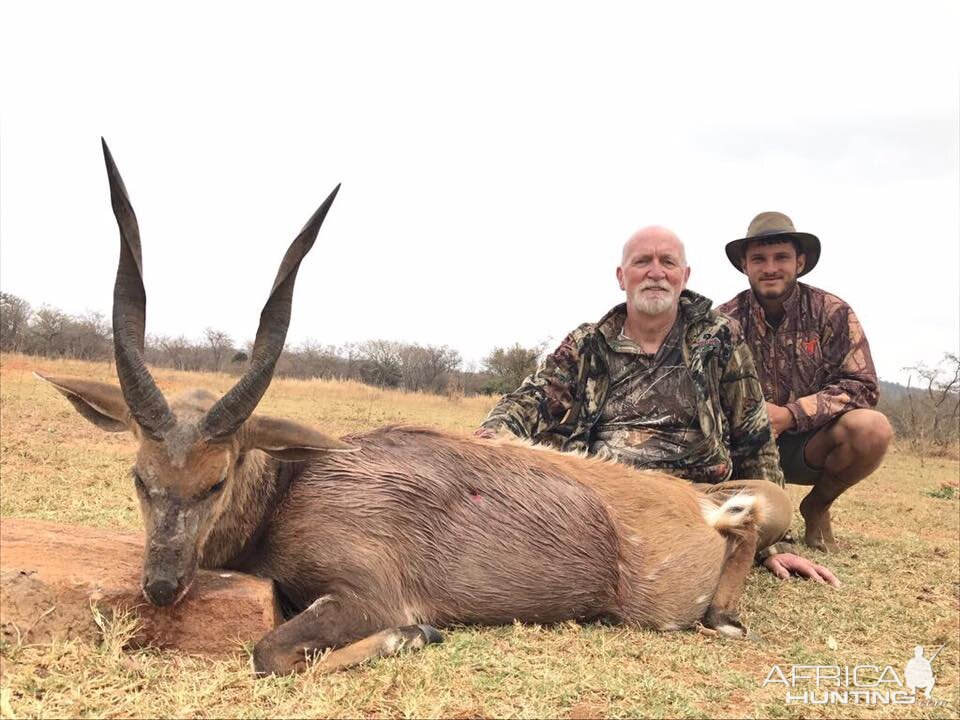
[
  {"x": 620, "y": 277},
  {"x": 289, "y": 441},
  {"x": 100, "y": 403},
  {"x": 801, "y": 262}
]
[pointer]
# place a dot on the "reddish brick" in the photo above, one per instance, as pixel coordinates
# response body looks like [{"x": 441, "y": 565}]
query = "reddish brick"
[{"x": 51, "y": 573}]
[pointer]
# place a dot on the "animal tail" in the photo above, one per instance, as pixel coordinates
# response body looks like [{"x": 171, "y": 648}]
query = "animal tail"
[{"x": 736, "y": 515}]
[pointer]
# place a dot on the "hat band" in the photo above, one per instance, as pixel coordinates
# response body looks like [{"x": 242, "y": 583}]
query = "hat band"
[{"x": 771, "y": 232}]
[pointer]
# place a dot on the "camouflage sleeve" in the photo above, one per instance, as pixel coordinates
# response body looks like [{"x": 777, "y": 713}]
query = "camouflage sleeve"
[
  {"x": 752, "y": 445},
  {"x": 851, "y": 380},
  {"x": 543, "y": 398}
]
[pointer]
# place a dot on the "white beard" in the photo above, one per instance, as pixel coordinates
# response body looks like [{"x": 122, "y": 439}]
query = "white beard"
[{"x": 654, "y": 304}]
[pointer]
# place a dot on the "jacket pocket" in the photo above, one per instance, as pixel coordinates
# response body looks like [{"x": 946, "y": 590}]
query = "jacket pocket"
[{"x": 809, "y": 367}]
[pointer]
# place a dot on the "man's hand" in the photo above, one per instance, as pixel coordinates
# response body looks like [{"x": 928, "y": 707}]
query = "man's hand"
[
  {"x": 784, "y": 564},
  {"x": 483, "y": 432},
  {"x": 780, "y": 418}
]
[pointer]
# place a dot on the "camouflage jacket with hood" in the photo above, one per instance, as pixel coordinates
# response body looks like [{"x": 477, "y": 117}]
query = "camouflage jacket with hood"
[
  {"x": 816, "y": 362},
  {"x": 562, "y": 402}
]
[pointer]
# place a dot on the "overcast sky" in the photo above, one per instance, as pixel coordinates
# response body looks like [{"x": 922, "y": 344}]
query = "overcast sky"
[{"x": 494, "y": 157}]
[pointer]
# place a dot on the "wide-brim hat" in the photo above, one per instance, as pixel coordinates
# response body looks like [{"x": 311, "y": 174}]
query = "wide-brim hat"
[{"x": 775, "y": 225}]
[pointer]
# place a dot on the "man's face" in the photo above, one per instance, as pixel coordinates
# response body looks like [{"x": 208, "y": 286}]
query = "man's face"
[
  {"x": 654, "y": 272},
  {"x": 772, "y": 269}
]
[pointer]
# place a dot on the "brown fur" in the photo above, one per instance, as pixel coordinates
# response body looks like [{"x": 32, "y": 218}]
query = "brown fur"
[
  {"x": 421, "y": 526},
  {"x": 723, "y": 608}
]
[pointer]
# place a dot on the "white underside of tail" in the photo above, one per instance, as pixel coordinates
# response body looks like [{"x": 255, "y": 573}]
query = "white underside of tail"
[{"x": 733, "y": 513}]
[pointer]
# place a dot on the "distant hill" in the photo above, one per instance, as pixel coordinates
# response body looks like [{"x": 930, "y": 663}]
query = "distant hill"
[{"x": 892, "y": 392}]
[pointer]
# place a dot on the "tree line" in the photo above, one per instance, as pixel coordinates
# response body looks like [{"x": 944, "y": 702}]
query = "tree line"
[
  {"x": 925, "y": 414},
  {"x": 414, "y": 367}
]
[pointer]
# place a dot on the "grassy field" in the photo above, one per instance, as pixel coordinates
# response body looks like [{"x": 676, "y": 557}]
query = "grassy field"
[{"x": 900, "y": 532}]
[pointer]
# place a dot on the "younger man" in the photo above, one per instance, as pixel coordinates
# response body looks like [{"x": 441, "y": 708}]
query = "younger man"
[{"x": 814, "y": 366}]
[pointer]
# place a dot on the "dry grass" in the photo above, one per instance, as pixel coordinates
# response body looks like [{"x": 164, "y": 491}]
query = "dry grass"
[{"x": 900, "y": 531}]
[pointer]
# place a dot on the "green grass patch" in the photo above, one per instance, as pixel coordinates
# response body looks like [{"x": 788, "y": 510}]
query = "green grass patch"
[{"x": 946, "y": 491}]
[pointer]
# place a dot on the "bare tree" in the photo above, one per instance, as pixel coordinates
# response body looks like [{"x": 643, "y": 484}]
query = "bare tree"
[
  {"x": 88, "y": 337},
  {"x": 314, "y": 360},
  {"x": 427, "y": 368},
  {"x": 178, "y": 353},
  {"x": 14, "y": 317},
  {"x": 928, "y": 416},
  {"x": 381, "y": 364},
  {"x": 47, "y": 327},
  {"x": 220, "y": 346}
]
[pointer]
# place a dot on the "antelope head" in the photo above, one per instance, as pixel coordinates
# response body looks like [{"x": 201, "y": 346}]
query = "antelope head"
[{"x": 189, "y": 450}]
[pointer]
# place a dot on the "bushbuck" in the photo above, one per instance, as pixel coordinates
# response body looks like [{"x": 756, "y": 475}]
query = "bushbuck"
[{"x": 375, "y": 538}]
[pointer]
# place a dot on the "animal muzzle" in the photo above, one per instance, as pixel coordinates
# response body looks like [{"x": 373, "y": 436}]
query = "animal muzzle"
[
  {"x": 167, "y": 574},
  {"x": 166, "y": 589},
  {"x": 161, "y": 590},
  {"x": 170, "y": 557}
]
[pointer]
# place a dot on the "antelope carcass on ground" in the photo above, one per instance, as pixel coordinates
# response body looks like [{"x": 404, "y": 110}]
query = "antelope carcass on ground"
[{"x": 375, "y": 538}]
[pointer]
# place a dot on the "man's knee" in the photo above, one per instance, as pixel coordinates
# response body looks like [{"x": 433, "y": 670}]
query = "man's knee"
[{"x": 867, "y": 432}]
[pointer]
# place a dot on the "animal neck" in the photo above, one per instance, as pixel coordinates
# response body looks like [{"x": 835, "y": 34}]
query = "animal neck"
[{"x": 259, "y": 484}]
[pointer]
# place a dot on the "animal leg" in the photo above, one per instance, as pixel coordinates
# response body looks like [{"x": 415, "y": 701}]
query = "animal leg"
[
  {"x": 386, "y": 642},
  {"x": 722, "y": 614},
  {"x": 330, "y": 623}
]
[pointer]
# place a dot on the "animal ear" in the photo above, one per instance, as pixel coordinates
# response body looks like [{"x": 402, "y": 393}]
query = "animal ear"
[
  {"x": 100, "y": 403},
  {"x": 289, "y": 441}
]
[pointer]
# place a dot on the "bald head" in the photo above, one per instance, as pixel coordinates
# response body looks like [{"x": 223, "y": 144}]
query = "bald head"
[{"x": 651, "y": 237}]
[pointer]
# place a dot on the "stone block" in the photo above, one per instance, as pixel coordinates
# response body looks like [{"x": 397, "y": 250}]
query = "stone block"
[{"x": 51, "y": 574}]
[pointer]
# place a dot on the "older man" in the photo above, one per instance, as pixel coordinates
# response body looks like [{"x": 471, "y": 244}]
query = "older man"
[
  {"x": 661, "y": 382},
  {"x": 814, "y": 365}
]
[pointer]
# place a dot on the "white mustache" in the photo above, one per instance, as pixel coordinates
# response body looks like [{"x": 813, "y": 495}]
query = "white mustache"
[{"x": 650, "y": 284}]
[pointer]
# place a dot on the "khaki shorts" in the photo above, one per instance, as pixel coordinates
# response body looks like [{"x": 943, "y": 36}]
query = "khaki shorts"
[{"x": 792, "y": 461}]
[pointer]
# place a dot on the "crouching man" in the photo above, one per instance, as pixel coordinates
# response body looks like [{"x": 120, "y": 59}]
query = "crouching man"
[{"x": 815, "y": 368}]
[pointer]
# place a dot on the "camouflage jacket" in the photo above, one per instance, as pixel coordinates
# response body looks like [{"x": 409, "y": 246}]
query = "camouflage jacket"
[
  {"x": 561, "y": 403},
  {"x": 816, "y": 362}
]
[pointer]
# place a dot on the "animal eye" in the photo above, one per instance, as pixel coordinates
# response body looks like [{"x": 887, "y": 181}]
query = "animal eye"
[{"x": 214, "y": 489}]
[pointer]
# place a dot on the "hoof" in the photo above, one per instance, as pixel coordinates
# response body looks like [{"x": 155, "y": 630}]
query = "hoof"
[
  {"x": 737, "y": 632},
  {"x": 264, "y": 663},
  {"x": 431, "y": 634},
  {"x": 414, "y": 637},
  {"x": 728, "y": 625}
]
